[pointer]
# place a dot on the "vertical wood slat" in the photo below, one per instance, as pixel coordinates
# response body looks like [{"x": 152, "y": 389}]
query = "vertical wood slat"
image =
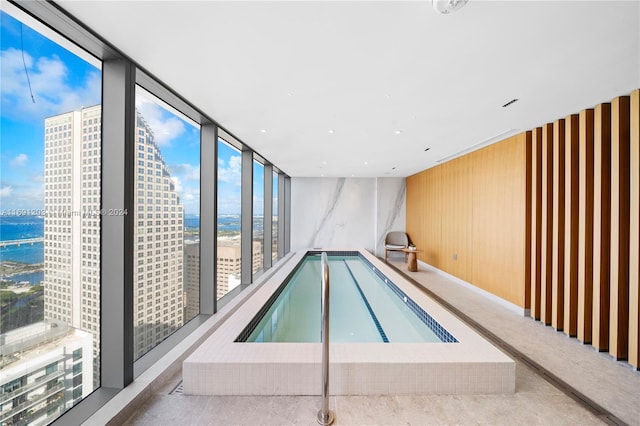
[
  {"x": 619, "y": 319},
  {"x": 528, "y": 215},
  {"x": 547, "y": 224},
  {"x": 536, "y": 220},
  {"x": 634, "y": 232},
  {"x": 571, "y": 225},
  {"x": 601, "y": 225},
  {"x": 557, "y": 272},
  {"x": 585, "y": 223}
]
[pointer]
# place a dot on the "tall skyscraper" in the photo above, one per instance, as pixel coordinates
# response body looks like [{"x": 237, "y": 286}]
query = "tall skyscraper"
[
  {"x": 72, "y": 231},
  {"x": 191, "y": 279},
  {"x": 72, "y": 175},
  {"x": 159, "y": 246}
]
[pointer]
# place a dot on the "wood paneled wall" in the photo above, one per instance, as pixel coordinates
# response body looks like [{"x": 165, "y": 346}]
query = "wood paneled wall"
[
  {"x": 548, "y": 220},
  {"x": 471, "y": 219}
]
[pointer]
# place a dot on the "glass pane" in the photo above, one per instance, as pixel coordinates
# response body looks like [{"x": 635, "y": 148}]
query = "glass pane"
[
  {"x": 167, "y": 233},
  {"x": 274, "y": 219},
  {"x": 258, "y": 216},
  {"x": 50, "y": 158},
  {"x": 228, "y": 262}
]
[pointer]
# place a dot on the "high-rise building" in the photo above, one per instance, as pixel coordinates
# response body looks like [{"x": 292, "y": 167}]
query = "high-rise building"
[
  {"x": 229, "y": 265},
  {"x": 159, "y": 243},
  {"x": 72, "y": 175},
  {"x": 191, "y": 279},
  {"x": 72, "y": 231},
  {"x": 46, "y": 369}
]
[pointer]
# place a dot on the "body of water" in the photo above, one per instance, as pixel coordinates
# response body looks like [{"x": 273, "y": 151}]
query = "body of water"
[{"x": 23, "y": 227}]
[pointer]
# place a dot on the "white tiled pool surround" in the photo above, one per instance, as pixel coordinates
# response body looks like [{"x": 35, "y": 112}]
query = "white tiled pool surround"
[{"x": 221, "y": 366}]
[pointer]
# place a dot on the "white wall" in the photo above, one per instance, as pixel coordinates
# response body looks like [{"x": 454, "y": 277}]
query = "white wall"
[{"x": 346, "y": 212}]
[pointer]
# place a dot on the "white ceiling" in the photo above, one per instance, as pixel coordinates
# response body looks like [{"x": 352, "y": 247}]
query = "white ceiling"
[{"x": 367, "y": 70}]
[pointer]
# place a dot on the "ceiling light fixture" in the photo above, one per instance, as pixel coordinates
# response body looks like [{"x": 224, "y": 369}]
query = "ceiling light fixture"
[
  {"x": 426, "y": 149},
  {"x": 263, "y": 131},
  {"x": 331, "y": 131},
  {"x": 397, "y": 132},
  {"x": 448, "y": 6}
]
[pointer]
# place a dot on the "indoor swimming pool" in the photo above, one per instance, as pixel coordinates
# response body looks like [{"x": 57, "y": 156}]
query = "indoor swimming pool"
[
  {"x": 365, "y": 306},
  {"x": 285, "y": 320}
]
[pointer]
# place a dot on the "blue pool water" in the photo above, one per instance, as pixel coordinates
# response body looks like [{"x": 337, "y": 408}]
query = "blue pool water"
[{"x": 365, "y": 306}]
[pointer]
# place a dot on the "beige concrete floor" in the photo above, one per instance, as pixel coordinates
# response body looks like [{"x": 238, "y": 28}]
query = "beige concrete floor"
[{"x": 615, "y": 386}]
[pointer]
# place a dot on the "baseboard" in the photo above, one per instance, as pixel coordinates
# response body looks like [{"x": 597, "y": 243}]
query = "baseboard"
[{"x": 500, "y": 301}]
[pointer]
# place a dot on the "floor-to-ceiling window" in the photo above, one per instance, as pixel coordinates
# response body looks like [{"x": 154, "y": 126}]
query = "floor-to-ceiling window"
[
  {"x": 69, "y": 161},
  {"x": 229, "y": 259},
  {"x": 274, "y": 220},
  {"x": 257, "y": 248},
  {"x": 50, "y": 222},
  {"x": 167, "y": 207}
]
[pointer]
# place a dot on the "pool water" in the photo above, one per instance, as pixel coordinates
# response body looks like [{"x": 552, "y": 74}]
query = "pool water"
[{"x": 364, "y": 307}]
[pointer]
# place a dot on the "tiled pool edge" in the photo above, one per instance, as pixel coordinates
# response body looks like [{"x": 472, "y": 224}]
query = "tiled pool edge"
[{"x": 223, "y": 367}]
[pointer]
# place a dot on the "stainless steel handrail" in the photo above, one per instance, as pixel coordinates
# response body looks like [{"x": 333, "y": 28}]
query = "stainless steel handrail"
[{"x": 325, "y": 416}]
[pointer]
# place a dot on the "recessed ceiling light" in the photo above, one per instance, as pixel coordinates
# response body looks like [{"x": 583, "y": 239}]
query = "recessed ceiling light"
[
  {"x": 366, "y": 162},
  {"x": 331, "y": 131},
  {"x": 263, "y": 131},
  {"x": 397, "y": 132}
]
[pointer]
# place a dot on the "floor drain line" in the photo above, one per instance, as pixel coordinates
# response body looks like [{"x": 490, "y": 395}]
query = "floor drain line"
[
  {"x": 178, "y": 389},
  {"x": 595, "y": 408}
]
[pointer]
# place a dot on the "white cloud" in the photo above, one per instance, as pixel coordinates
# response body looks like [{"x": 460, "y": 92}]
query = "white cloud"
[
  {"x": 187, "y": 171},
  {"x": 177, "y": 184},
  {"x": 164, "y": 129},
  {"x": 6, "y": 191},
  {"x": 230, "y": 172},
  {"x": 20, "y": 160},
  {"x": 52, "y": 92}
]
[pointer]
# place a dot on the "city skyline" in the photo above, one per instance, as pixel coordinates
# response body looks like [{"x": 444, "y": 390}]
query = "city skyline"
[{"x": 61, "y": 82}]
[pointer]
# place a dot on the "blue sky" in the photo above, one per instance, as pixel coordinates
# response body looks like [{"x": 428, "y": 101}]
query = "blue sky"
[{"x": 61, "y": 82}]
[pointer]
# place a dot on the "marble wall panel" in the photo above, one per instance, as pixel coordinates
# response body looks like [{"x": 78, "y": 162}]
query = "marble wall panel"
[{"x": 345, "y": 212}]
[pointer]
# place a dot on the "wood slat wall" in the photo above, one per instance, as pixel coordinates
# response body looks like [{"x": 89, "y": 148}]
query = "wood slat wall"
[
  {"x": 620, "y": 163},
  {"x": 585, "y": 225},
  {"x": 547, "y": 220},
  {"x": 536, "y": 221},
  {"x": 634, "y": 231},
  {"x": 601, "y": 225},
  {"x": 547, "y": 224},
  {"x": 571, "y": 225},
  {"x": 558, "y": 245}
]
